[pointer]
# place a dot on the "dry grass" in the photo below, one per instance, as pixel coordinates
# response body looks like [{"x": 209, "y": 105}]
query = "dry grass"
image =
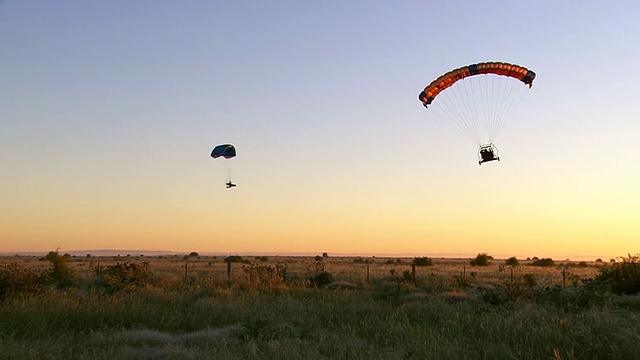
[
  {"x": 170, "y": 271},
  {"x": 193, "y": 309}
]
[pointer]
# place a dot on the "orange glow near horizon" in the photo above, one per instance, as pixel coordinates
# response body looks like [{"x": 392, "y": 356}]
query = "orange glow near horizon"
[{"x": 106, "y": 144}]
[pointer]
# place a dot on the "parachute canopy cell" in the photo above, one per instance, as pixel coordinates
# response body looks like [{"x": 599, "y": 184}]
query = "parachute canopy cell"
[
  {"x": 498, "y": 68},
  {"x": 226, "y": 150}
]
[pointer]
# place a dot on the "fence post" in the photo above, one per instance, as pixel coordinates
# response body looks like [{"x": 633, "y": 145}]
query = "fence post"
[
  {"x": 367, "y": 274},
  {"x": 413, "y": 274},
  {"x": 511, "y": 274},
  {"x": 464, "y": 273},
  {"x": 229, "y": 270},
  {"x": 186, "y": 272},
  {"x": 564, "y": 278}
]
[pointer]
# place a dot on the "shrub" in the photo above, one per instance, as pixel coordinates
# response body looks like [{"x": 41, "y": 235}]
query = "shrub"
[
  {"x": 321, "y": 279},
  {"x": 265, "y": 278},
  {"x": 15, "y": 279},
  {"x": 393, "y": 261},
  {"x": 481, "y": 260},
  {"x": 60, "y": 269},
  {"x": 193, "y": 254},
  {"x": 422, "y": 261},
  {"x": 461, "y": 282},
  {"x": 407, "y": 276},
  {"x": 543, "y": 262},
  {"x": 530, "y": 280},
  {"x": 235, "y": 259},
  {"x": 623, "y": 276},
  {"x": 512, "y": 261},
  {"x": 318, "y": 276},
  {"x": 360, "y": 260},
  {"x": 121, "y": 276}
]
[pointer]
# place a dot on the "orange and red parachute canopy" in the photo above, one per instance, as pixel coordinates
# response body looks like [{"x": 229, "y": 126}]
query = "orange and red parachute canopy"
[{"x": 498, "y": 68}]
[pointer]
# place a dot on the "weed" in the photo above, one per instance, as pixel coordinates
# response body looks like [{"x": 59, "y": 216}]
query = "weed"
[{"x": 122, "y": 276}]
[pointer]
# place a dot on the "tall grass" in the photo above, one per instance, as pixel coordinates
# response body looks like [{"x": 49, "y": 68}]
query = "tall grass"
[{"x": 214, "y": 317}]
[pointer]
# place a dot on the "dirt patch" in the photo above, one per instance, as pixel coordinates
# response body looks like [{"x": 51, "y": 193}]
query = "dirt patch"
[{"x": 151, "y": 338}]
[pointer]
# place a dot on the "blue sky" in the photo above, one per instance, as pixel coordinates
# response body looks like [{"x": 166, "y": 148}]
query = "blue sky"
[{"x": 109, "y": 111}]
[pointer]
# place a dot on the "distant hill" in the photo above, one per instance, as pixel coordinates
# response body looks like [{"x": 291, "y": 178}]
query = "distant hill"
[
  {"x": 97, "y": 253},
  {"x": 111, "y": 252}
]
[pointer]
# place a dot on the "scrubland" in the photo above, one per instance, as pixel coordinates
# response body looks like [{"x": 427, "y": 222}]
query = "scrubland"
[{"x": 64, "y": 307}]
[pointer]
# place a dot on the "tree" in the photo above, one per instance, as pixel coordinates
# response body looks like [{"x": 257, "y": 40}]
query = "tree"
[
  {"x": 543, "y": 262},
  {"x": 481, "y": 260},
  {"x": 235, "y": 259},
  {"x": 512, "y": 261},
  {"x": 422, "y": 261}
]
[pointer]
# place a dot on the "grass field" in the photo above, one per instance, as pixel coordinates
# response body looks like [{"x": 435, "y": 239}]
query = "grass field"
[{"x": 372, "y": 308}]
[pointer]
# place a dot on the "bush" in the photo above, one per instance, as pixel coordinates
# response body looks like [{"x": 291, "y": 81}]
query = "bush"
[
  {"x": 543, "y": 262},
  {"x": 60, "y": 270},
  {"x": 266, "y": 278},
  {"x": 530, "y": 280},
  {"x": 125, "y": 275},
  {"x": 481, "y": 260},
  {"x": 623, "y": 276},
  {"x": 15, "y": 279},
  {"x": 236, "y": 259},
  {"x": 321, "y": 279},
  {"x": 393, "y": 261},
  {"x": 318, "y": 276},
  {"x": 422, "y": 261},
  {"x": 512, "y": 261}
]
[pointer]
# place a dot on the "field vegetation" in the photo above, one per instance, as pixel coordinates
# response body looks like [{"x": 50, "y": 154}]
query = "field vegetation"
[{"x": 202, "y": 307}]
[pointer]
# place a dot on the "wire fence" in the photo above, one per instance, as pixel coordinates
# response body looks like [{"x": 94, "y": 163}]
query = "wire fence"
[{"x": 359, "y": 271}]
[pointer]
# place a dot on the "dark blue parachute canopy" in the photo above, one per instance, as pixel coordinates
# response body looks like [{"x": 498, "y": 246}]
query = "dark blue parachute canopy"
[{"x": 226, "y": 150}]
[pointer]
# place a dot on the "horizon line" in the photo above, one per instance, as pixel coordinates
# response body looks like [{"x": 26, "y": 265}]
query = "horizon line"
[{"x": 118, "y": 252}]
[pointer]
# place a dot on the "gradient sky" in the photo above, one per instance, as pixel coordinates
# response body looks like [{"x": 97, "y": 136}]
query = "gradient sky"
[{"x": 110, "y": 109}]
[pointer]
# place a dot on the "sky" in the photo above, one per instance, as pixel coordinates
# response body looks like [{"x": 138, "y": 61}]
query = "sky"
[{"x": 109, "y": 111}]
